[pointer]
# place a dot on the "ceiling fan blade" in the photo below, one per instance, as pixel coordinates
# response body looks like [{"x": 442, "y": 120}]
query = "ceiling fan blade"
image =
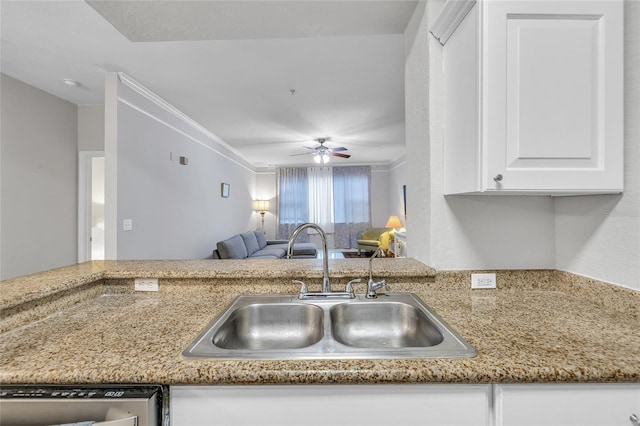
[
  {"x": 337, "y": 154},
  {"x": 308, "y": 147},
  {"x": 340, "y": 148},
  {"x": 302, "y": 153}
]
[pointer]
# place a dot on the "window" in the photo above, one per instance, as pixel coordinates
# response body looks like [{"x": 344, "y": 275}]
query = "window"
[
  {"x": 293, "y": 196},
  {"x": 320, "y": 181},
  {"x": 336, "y": 198},
  {"x": 351, "y": 189}
]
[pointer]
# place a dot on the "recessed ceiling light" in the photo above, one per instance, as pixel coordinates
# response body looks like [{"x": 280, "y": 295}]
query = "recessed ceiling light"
[{"x": 69, "y": 82}]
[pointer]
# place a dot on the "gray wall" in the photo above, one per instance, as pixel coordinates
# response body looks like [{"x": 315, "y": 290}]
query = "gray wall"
[
  {"x": 177, "y": 210},
  {"x": 38, "y": 228},
  {"x": 91, "y": 127}
]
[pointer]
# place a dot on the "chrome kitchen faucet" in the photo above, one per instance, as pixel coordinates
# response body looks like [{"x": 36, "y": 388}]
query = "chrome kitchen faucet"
[{"x": 326, "y": 286}]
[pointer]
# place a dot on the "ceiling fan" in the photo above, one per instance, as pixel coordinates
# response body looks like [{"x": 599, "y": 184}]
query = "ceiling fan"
[{"x": 322, "y": 153}]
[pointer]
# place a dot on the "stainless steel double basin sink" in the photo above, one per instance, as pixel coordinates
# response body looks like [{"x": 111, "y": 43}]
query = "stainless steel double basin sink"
[{"x": 394, "y": 325}]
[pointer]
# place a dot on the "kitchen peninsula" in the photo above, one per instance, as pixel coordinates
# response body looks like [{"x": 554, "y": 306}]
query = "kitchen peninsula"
[
  {"x": 85, "y": 324},
  {"x": 91, "y": 327}
]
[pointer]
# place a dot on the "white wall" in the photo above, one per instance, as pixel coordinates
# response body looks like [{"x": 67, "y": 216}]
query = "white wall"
[
  {"x": 599, "y": 236},
  {"x": 38, "y": 180},
  {"x": 418, "y": 167},
  {"x": 459, "y": 232},
  {"x": 397, "y": 178},
  {"x": 177, "y": 210},
  {"x": 379, "y": 196}
]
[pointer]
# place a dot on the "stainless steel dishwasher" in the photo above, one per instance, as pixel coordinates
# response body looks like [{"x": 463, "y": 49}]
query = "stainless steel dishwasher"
[{"x": 111, "y": 405}]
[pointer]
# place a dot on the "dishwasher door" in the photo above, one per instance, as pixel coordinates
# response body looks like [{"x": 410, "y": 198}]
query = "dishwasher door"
[{"x": 114, "y": 405}]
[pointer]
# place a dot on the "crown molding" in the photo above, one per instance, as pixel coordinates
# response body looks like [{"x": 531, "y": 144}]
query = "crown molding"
[
  {"x": 161, "y": 103},
  {"x": 450, "y": 17}
]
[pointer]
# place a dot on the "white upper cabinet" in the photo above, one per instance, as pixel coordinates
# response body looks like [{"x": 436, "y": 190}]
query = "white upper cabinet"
[{"x": 533, "y": 96}]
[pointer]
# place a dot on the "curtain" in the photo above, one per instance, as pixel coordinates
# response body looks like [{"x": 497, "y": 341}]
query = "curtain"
[
  {"x": 321, "y": 197},
  {"x": 352, "y": 206},
  {"x": 293, "y": 202},
  {"x": 337, "y": 199}
]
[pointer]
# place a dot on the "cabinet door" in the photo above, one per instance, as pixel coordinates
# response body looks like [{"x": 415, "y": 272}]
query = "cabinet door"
[
  {"x": 552, "y": 96},
  {"x": 371, "y": 405},
  {"x": 567, "y": 404}
]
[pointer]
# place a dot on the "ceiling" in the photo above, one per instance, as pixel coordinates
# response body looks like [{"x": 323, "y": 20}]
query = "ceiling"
[{"x": 266, "y": 77}]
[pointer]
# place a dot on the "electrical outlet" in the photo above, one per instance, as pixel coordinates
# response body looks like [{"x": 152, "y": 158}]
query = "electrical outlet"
[
  {"x": 483, "y": 280},
  {"x": 146, "y": 284}
]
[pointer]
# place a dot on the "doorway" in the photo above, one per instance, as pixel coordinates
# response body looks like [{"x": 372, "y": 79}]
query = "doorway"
[{"x": 91, "y": 206}]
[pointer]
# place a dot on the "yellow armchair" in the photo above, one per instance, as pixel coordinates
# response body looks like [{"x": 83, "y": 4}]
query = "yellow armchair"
[{"x": 373, "y": 238}]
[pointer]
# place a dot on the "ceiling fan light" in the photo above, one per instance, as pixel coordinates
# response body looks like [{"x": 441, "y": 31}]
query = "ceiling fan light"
[{"x": 321, "y": 158}]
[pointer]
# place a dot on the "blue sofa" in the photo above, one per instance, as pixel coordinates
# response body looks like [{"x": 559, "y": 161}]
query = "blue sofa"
[{"x": 254, "y": 245}]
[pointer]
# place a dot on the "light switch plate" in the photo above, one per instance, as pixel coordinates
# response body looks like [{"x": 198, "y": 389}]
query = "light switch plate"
[
  {"x": 483, "y": 281},
  {"x": 127, "y": 224}
]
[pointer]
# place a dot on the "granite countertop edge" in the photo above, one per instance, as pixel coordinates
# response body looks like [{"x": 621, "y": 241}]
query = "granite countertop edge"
[
  {"x": 29, "y": 288},
  {"x": 501, "y": 358}
]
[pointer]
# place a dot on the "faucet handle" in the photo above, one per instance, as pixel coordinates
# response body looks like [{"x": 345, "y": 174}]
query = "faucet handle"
[
  {"x": 350, "y": 284},
  {"x": 374, "y": 286},
  {"x": 303, "y": 286}
]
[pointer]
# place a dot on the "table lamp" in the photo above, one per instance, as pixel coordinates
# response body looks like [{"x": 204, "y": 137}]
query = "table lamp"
[{"x": 393, "y": 222}]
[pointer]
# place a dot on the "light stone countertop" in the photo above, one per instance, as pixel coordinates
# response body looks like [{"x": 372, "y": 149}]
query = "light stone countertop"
[
  {"x": 19, "y": 290},
  {"x": 84, "y": 324}
]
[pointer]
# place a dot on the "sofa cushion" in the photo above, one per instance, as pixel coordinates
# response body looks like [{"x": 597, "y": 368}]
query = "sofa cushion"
[
  {"x": 232, "y": 248},
  {"x": 250, "y": 242},
  {"x": 269, "y": 252},
  {"x": 253, "y": 244},
  {"x": 299, "y": 249},
  {"x": 262, "y": 240}
]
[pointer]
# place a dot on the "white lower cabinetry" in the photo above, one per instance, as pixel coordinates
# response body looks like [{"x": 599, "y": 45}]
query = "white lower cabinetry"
[
  {"x": 567, "y": 404},
  {"x": 327, "y": 405},
  {"x": 407, "y": 405}
]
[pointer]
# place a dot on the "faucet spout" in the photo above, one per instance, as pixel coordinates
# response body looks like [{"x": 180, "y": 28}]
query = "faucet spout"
[
  {"x": 326, "y": 286},
  {"x": 373, "y": 286},
  {"x": 375, "y": 253}
]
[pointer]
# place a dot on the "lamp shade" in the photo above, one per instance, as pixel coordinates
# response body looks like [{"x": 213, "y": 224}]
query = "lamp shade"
[
  {"x": 393, "y": 222},
  {"x": 260, "y": 205}
]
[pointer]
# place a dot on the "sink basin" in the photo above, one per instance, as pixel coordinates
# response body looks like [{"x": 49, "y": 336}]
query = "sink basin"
[
  {"x": 271, "y": 326},
  {"x": 395, "y": 325},
  {"x": 383, "y": 325}
]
